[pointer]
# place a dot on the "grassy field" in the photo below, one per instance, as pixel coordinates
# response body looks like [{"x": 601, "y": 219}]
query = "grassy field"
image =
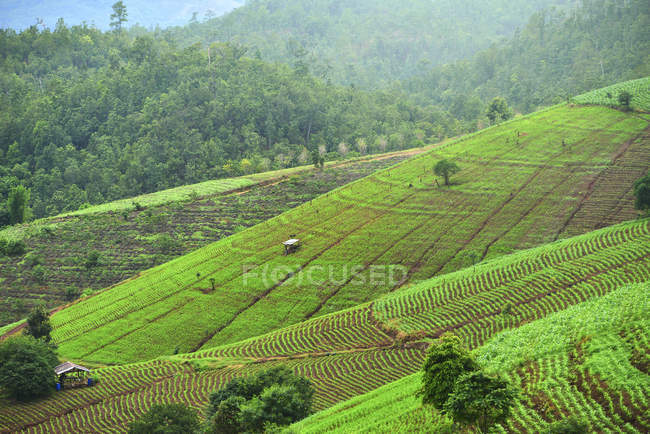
[
  {"x": 590, "y": 360},
  {"x": 358, "y": 350},
  {"x": 608, "y": 96},
  {"x": 560, "y": 172},
  {"x": 170, "y": 224}
]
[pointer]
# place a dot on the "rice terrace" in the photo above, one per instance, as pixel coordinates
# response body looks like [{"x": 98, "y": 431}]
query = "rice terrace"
[{"x": 315, "y": 217}]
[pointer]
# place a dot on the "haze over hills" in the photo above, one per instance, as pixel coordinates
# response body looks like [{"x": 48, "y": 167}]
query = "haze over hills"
[
  {"x": 368, "y": 43},
  {"x": 20, "y": 14}
]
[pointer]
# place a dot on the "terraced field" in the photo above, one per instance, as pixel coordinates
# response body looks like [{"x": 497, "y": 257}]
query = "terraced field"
[
  {"x": 608, "y": 96},
  {"x": 590, "y": 361},
  {"x": 169, "y": 224},
  {"x": 355, "y": 351},
  {"x": 523, "y": 184}
]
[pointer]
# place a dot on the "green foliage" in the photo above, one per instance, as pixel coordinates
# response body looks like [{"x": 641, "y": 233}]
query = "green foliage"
[
  {"x": 624, "y": 99},
  {"x": 26, "y": 368},
  {"x": 569, "y": 425},
  {"x": 119, "y": 15},
  {"x": 18, "y": 205},
  {"x": 92, "y": 259},
  {"x": 498, "y": 110},
  {"x": 38, "y": 324},
  {"x": 274, "y": 396},
  {"x": 129, "y": 116},
  {"x": 446, "y": 169},
  {"x": 481, "y": 400},
  {"x": 632, "y": 94},
  {"x": 642, "y": 193},
  {"x": 167, "y": 419},
  {"x": 446, "y": 361},
  {"x": 15, "y": 248},
  {"x": 557, "y": 54}
]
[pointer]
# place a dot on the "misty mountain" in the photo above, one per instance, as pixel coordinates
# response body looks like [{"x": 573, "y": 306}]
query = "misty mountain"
[
  {"x": 20, "y": 14},
  {"x": 366, "y": 42}
]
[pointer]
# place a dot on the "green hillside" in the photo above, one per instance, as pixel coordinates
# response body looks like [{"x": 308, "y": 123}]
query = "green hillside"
[
  {"x": 639, "y": 91},
  {"x": 590, "y": 361},
  {"x": 556, "y": 173},
  {"x": 353, "y": 352},
  {"x": 131, "y": 235}
]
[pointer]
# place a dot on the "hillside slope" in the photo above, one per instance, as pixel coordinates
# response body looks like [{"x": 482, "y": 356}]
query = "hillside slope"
[
  {"x": 134, "y": 234},
  {"x": 589, "y": 361},
  {"x": 352, "y": 352},
  {"x": 556, "y": 173}
]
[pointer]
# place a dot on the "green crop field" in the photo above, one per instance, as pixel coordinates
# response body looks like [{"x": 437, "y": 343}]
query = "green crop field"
[
  {"x": 560, "y": 172},
  {"x": 608, "y": 96},
  {"x": 170, "y": 224},
  {"x": 590, "y": 360},
  {"x": 358, "y": 350}
]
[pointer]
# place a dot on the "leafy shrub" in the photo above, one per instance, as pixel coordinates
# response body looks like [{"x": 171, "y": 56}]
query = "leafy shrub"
[
  {"x": 275, "y": 396},
  {"x": 165, "y": 243},
  {"x": 26, "y": 368},
  {"x": 32, "y": 259},
  {"x": 570, "y": 425},
  {"x": 92, "y": 260},
  {"x": 39, "y": 273},
  {"x": 72, "y": 293},
  {"x": 166, "y": 418},
  {"x": 15, "y": 248}
]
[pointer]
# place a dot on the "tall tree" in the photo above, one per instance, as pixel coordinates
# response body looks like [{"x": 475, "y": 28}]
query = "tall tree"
[
  {"x": 38, "y": 324},
  {"x": 446, "y": 360},
  {"x": 446, "y": 169},
  {"x": 17, "y": 205},
  {"x": 26, "y": 367},
  {"x": 119, "y": 16},
  {"x": 642, "y": 193}
]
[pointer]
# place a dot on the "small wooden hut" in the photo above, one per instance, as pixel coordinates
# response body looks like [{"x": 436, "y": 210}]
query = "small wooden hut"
[
  {"x": 72, "y": 375},
  {"x": 291, "y": 246}
]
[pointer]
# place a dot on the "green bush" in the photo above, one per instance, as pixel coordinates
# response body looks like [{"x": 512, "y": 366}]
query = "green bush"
[
  {"x": 26, "y": 368},
  {"x": 168, "y": 419},
  {"x": 15, "y": 248},
  {"x": 92, "y": 260},
  {"x": 275, "y": 396}
]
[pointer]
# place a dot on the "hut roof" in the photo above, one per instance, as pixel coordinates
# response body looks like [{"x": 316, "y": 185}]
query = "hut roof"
[
  {"x": 69, "y": 367},
  {"x": 291, "y": 242}
]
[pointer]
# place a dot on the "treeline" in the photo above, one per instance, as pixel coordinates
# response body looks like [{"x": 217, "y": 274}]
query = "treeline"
[
  {"x": 91, "y": 116},
  {"x": 367, "y": 43},
  {"x": 558, "y": 54}
]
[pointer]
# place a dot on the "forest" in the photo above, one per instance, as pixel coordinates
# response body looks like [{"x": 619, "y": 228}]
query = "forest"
[{"x": 91, "y": 116}]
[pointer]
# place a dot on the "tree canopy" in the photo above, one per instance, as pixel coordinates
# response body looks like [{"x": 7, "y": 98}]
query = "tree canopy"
[
  {"x": 275, "y": 396},
  {"x": 27, "y": 367},
  {"x": 38, "y": 324},
  {"x": 642, "y": 193},
  {"x": 446, "y": 169}
]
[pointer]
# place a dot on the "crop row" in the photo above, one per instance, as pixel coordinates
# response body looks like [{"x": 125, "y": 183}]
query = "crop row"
[
  {"x": 608, "y": 96},
  {"x": 125, "y": 393},
  {"x": 518, "y": 173}
]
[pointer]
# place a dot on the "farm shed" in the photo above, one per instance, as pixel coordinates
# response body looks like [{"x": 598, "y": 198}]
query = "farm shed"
[
  {"x": 71, "y": 375},
  {"x": 291, "y": 245}
]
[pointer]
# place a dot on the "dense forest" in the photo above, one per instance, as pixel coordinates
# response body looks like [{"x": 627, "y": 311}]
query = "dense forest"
[
  {"x": 90, "y": 116},
  {"x": 558, "y": 54},
  {"x": 367, "y": 43}
]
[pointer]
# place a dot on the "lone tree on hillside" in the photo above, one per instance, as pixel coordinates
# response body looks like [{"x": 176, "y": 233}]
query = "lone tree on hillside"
[
  {"x": 38, "y": 324},
  {"x": 498, "y": 110},
  {"x": 17, "y": 205},
  {"x": 118, "y": 17},
  {"x": 446, "y": 361},
  {"x": 625, "y": 99},
  {"x": 481, "y": 400},
  {"x": 166, "y": 418},
  {"x": 27, "y": 368},
  {"x": 642, "y": 193},
  {"x": 446, "y": 169}
]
